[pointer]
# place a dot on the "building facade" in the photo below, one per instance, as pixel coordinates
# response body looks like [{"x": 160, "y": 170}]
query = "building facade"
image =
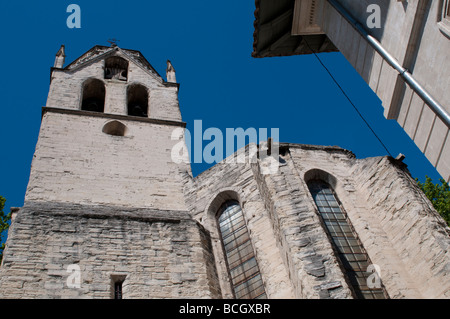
[
  {"x": 109, "y": 213},
  {"x": 400, "y": 48}
]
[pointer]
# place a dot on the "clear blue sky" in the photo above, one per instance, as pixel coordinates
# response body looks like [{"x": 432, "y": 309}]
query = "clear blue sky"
[{"x": 210, "y": 45}]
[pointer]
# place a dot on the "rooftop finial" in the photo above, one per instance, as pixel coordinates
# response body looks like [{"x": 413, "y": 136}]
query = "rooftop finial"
[
  {"x": 60, "y": 57},
  {"x": 170, "y": 73}
]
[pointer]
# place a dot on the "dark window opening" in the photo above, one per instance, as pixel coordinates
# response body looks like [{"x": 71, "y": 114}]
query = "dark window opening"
[
  {"x": 115, "y": 128},
  {"x": 242, "y": 265},
  {"x": 137, "y": 98},
  {"x": 93, "y": 96},
  {"x": 117, "y": 282},
  {"x": 116, "y": 68},
  {"x": 345, "y": 241},
  {"x": 118, "y": 290}
]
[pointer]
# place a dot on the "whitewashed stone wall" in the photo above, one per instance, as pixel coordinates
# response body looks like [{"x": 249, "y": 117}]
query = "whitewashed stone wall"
[
  {"x": 161, "y": 254},
  {"x": 76, "y": 162},
  {"x": 398, "y": 227},
  {"x": 208, "y": 191},
  {"x": 407, "y": 222}
]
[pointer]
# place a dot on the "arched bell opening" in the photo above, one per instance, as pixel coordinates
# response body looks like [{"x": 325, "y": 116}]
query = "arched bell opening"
[
  {"x": 116, "y": 68},
  {"x": 93, "y": 96},
  {"x": 137, "y": 100}
]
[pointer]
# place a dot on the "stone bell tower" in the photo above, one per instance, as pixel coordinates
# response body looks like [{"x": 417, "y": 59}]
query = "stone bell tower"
[
  {"x": 106, "y": 134},
  {"x": 104, "y": 213}
]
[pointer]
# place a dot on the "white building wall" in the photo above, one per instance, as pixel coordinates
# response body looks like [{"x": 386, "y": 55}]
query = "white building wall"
[{"x": 419, "y": 46}]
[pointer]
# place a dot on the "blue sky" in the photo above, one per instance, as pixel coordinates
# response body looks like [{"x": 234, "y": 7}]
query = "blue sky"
[{"x": 210, "y": 45}]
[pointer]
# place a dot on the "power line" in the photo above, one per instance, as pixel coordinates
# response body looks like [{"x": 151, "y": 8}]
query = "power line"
[{"x": 348, "y": 98}]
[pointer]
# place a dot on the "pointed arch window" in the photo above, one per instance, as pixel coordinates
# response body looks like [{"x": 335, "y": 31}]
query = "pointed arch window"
[
  {"x": 93, "y": 96},
  {"x": 345, "y": 241},
  {"x": 242, "y": 265}
]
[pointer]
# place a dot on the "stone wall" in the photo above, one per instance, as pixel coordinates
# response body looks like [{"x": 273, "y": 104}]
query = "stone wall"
[
  {"x": 225, "y": 181},
  {"x": 307, "y": 252},
  {"x": 76, "y": 162},
  {"x": 409, "y": 225},
  {"x": 397, "y": 226},
  {"x": 176, "y": 254},
  {"x": 161, "y": 254}
]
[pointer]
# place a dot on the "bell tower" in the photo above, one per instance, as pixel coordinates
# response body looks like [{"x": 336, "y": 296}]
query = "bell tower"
[
  {"x": 104, "y": 213},
  {"x": 106, "y": 133}
]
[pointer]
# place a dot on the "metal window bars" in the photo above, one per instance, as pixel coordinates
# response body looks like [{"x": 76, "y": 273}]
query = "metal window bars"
[
  {"x": 345, "y": 241},
  {"x": 242, "y": 265}
]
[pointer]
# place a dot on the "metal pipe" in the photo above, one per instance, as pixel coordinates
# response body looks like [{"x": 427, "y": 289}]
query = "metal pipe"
[{"x": 437, "y": 108}]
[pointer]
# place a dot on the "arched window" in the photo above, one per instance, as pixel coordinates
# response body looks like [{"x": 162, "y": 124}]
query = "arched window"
[
  {"x": 137, "y": 98},
  {"x": 93, "y": 96},
  {"x": 345, "y": 241},
  {"x": 116, "y": 68},
  {"x": 115, "y": 128},
  {"x": 242, "y": 265}
]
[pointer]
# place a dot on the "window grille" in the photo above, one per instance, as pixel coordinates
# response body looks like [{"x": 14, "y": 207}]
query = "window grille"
[
  {"x": 242, "y": 265},
  {"x": 345, "y": 241}
]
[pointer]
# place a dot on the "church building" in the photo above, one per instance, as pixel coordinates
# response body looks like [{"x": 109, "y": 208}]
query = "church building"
[{"x": 108, "y": 213}]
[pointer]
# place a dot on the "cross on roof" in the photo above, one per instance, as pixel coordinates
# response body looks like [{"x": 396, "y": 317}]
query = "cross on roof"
[{"x": 113, "y": 42}]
